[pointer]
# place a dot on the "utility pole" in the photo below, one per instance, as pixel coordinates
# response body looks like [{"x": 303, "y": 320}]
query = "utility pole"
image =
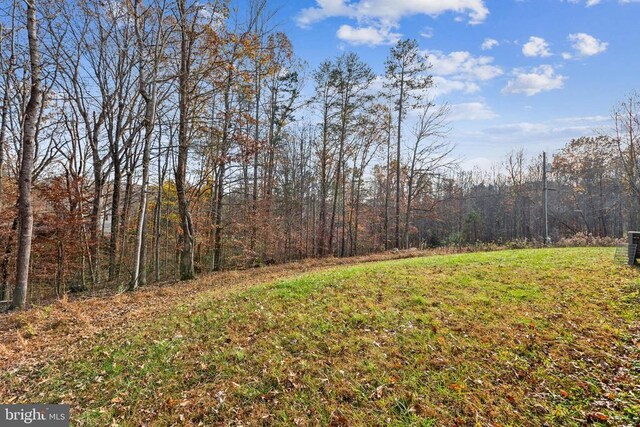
[{"x": 545, "y": 189}]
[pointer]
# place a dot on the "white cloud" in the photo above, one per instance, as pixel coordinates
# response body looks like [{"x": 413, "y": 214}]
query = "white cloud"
[
  {"x": 559, "y": 126},
  {"x": 582, "y": 120},
  {"x": 391, "y": 10},
  {"x": 443, "y": 86},
  {"x": 385, "y": 15},
  {"x": 427, "y": 32},
  {"x": 463, "y": 65},
  {"x": 325, "y": 9},
  {"x": 517, "y": 128},
  {"x": 460, "y": 71},
  {"x": 488, "y": 144},
  {"x": 539, "y": 79},
  {"x": 586, "y": 45},
  {"x": 366, "y": 35},
  {"x": 471, "y": 111},
  {"x": 489, "y": 44},
  {"x": 493, "y": 141},
  {"x": 589, "y": 3},
  {"x": 536, "y": 46}
]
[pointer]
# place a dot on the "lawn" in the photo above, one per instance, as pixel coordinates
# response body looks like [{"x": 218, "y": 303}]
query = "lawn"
[{"x": 508, "y": 338}]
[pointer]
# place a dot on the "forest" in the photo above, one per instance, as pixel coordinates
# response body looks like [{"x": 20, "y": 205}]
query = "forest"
[{"x": 153, "y": 140}]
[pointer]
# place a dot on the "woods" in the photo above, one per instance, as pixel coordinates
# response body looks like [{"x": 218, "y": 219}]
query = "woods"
[{"x": 152, "y": 140}]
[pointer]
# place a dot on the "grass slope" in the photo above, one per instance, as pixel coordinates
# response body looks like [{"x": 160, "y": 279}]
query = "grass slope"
[{"x": 528, "y": 337}]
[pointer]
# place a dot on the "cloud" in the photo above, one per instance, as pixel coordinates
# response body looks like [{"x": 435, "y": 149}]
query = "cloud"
[
  {"x": 427, "y": 32},
  {"x": 586, "y": 45},
  {"x": 371, "y": 36},
  {"x": 494, "y": 140},
  {"x": 489, "y": 44},
  {"x": 536, "y": 46},
  {"x": 582, "y": 120},
  {"x": 391, "y": 10},
  {"x": 463, "y": 65},
  {"x": 559, "y": 126},
  {"x": 443, "y": 86},
  {"x": 384, "y": 15},
  {"x": 471, "y": 111},
  {"x": 460, "y": 71},
  {"x": 539, "y": 79},
  {"x": 589, "y": 3},
  {"x": 325, "y": 9},
  {"x": 517, "y": 128}
]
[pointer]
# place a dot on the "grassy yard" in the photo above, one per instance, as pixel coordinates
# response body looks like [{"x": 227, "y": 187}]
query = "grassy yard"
[{"x": 509, "y": 338}]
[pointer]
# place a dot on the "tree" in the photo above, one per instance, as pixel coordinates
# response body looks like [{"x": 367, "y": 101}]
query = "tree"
[
  {"x": 30, "y": 128},
  {"x": 94, "y": 68},
  {"x": 429, "y": 154},
  {"x": 148, "y": 88},
  {"x": 187, "y": 20},
  {"x": 626, "y": 139},
  {"x": 588, "y": 174},
  {"x": 283, "y": 85},
  {"x": 325, "y": 99},
  {"x": 406, "y": 82},
  {"x": 351, "y": 78},
  {"x": 370, "y": 135}
]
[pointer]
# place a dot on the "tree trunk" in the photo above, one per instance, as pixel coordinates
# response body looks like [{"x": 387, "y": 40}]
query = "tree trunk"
[
  {"x": 187, "y": 271},
  {"x": 254, "y": 192},
  {"x": 157, "y": 217},
  {"x": 323, "y": 183},
  {"x": 4, "y": 265},
  {"x": 115, "y": 217},
  {"x": 387, "y": 188},
  {"x": 25, "y": 209},
  {"x": 399, "y": 139},
  {"x": 217, "y": 227},
  {"x": 150, "y": 99}
]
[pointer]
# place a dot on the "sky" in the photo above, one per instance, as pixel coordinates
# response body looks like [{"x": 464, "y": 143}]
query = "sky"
[{"x": 528, "y": 74}]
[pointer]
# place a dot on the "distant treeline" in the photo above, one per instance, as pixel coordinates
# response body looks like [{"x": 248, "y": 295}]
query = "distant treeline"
[{"x": 171, "y": 137}]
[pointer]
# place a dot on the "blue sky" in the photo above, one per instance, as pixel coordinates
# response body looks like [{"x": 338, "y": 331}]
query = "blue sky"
[{"x": 517, "y": 73}]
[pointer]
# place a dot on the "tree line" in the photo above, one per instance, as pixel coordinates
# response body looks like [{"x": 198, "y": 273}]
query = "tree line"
[{"x": 149, "y": 140}]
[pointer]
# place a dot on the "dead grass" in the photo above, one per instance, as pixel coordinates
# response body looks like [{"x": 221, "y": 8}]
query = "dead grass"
[{"x": 42, "y": 332}]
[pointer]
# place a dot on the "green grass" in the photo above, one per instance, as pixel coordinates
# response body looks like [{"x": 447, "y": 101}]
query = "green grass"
[{"x": 511, "y": 338}]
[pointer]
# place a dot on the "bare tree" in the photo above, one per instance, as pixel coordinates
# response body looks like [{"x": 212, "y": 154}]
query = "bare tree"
[
  {"x": 187, "y": 17},
  {"x": 626, "y": 138},
  {"x": 407, "y": 81},
  {"x": 370, "y": 135},
  {"x": 30, "y": 129},
  {"x": 429, "y": 154},
  {"x": 351, "y": 78},
  {"x": 148, "y": 88},
  {"x": 325, "y": 99}
]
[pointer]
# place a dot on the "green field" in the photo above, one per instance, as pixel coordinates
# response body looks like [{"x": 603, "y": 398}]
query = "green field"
[{"x": 509, "y": 338}]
